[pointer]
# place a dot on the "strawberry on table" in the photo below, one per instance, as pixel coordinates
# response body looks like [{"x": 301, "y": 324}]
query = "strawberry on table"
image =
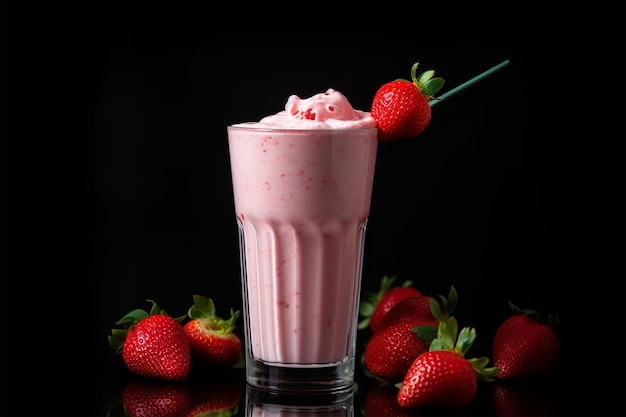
[
  {"x": 526, "y": 346},
  {"x": 152, "y": 344},
  {"x": 212, "y": 340},
  {"x": 390, "y": 352},
  {"x": 442, "y": 377},
  {"x": 418, "y": 307},
  {"x": 438, "y": 379},
  {"x": 374, "y": 306},
  {"x": 401, "y": 108}
]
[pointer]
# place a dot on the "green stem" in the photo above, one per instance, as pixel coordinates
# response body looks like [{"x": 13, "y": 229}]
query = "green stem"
[{"x": 469, "y": 82}]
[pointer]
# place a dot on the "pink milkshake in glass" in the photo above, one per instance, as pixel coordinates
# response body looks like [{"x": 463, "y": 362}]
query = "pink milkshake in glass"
[{"x": 302, "y": 182}]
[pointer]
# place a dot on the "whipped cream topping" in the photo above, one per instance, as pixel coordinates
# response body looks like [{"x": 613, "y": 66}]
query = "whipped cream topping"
[{"x": 328, "y": 110}]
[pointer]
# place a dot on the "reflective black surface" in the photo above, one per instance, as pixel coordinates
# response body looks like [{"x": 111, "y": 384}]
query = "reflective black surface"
[
  {"x": 116, "y": 184},
  {"x": 570, "y": 390}
]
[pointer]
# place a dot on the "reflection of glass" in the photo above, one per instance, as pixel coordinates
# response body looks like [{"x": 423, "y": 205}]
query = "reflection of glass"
[
  {"x": 269, "y": 404},
  {"x": 302, "y": 200}
]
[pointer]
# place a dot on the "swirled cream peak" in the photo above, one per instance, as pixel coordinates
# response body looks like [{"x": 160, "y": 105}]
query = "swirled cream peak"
[{"x": 328, "y": 110}]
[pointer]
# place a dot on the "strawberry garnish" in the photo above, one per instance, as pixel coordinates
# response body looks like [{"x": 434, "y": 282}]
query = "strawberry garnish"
[
  {"x": 525, "y": 345},
  {"x": 212, "y": 340},
  {"x": 401, "y": 108},
  {"x": 152, "y": 344}
]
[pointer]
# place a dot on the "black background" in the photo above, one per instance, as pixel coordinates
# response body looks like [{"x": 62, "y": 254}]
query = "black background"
[{"x": 116, "y": 182}]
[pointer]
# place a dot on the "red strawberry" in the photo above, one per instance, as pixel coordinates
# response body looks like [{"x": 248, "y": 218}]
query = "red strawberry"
[
  {"x": 438, "y": 379},
  {"x": 401, "y": 108},
  {"x": 153, "y": 344},
  {"x": 374, "y": 306},
  {"x": 525, "y": 346},
  {"x": 390, "y": 352},
  {"x": 142, "y": 398},
  {"x": 405, "y": 334},
  {"x": 212, "y": 340},
  {"x": 418, "y": 307},
  {"x": 443, "y": 377}
]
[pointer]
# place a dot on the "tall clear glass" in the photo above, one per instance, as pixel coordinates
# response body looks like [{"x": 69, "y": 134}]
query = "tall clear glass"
[{"x": 302, "y": 201}]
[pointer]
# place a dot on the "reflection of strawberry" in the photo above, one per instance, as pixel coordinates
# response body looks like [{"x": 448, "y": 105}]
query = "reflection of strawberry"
[
  {"x": 212, "y": 340},
  {"x": 145, "y": 397},
  {"x": 374, "y": 306},
  {"x": 382, "y": 402},
  {"x": 525, "y": 346},
  {"x": 152, "y": 344},
  {"x": 219, "y": 397},
  {"x": 401, "y": 107},
  {"x": 518, "y": 398}
]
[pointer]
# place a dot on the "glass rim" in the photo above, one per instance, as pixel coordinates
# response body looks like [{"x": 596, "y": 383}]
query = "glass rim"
[{"x": 237, "y": 126}]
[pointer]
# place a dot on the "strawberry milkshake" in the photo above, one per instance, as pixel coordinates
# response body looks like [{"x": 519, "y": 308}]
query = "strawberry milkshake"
[{"x": 302, "y": 183}]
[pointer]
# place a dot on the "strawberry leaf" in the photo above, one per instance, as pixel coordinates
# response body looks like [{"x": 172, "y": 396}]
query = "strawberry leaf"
[
  {"x": 432, "y": 87},
  {"x": 446, "y": 305},
  {"x": 426, "y": 82},
  {"x": 465, "y": 340},
  {"x": 483, "y": 373},
  {"x": 436, "y": 309},
  {"x": 203, "y": 309},
  {"x": 366, "y": 308},
  {"x": 155, "y": 309},
  {"x": 426, "y": 333},
  {"x": 133, "y": 317},
  {"x": 425, "y": 76},
  {"x": 116, "y": 339},
  {"x": 446, "y": 335},
  {"x": 451, "y": 300}
]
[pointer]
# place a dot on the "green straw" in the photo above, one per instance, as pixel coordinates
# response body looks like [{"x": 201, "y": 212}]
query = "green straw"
[{"x": 468, "y": 83}]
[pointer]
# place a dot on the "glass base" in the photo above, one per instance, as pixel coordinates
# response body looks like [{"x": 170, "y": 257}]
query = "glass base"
[
  {"x": 269, "y": 403},
  {"x": 333, "y": 379}
]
